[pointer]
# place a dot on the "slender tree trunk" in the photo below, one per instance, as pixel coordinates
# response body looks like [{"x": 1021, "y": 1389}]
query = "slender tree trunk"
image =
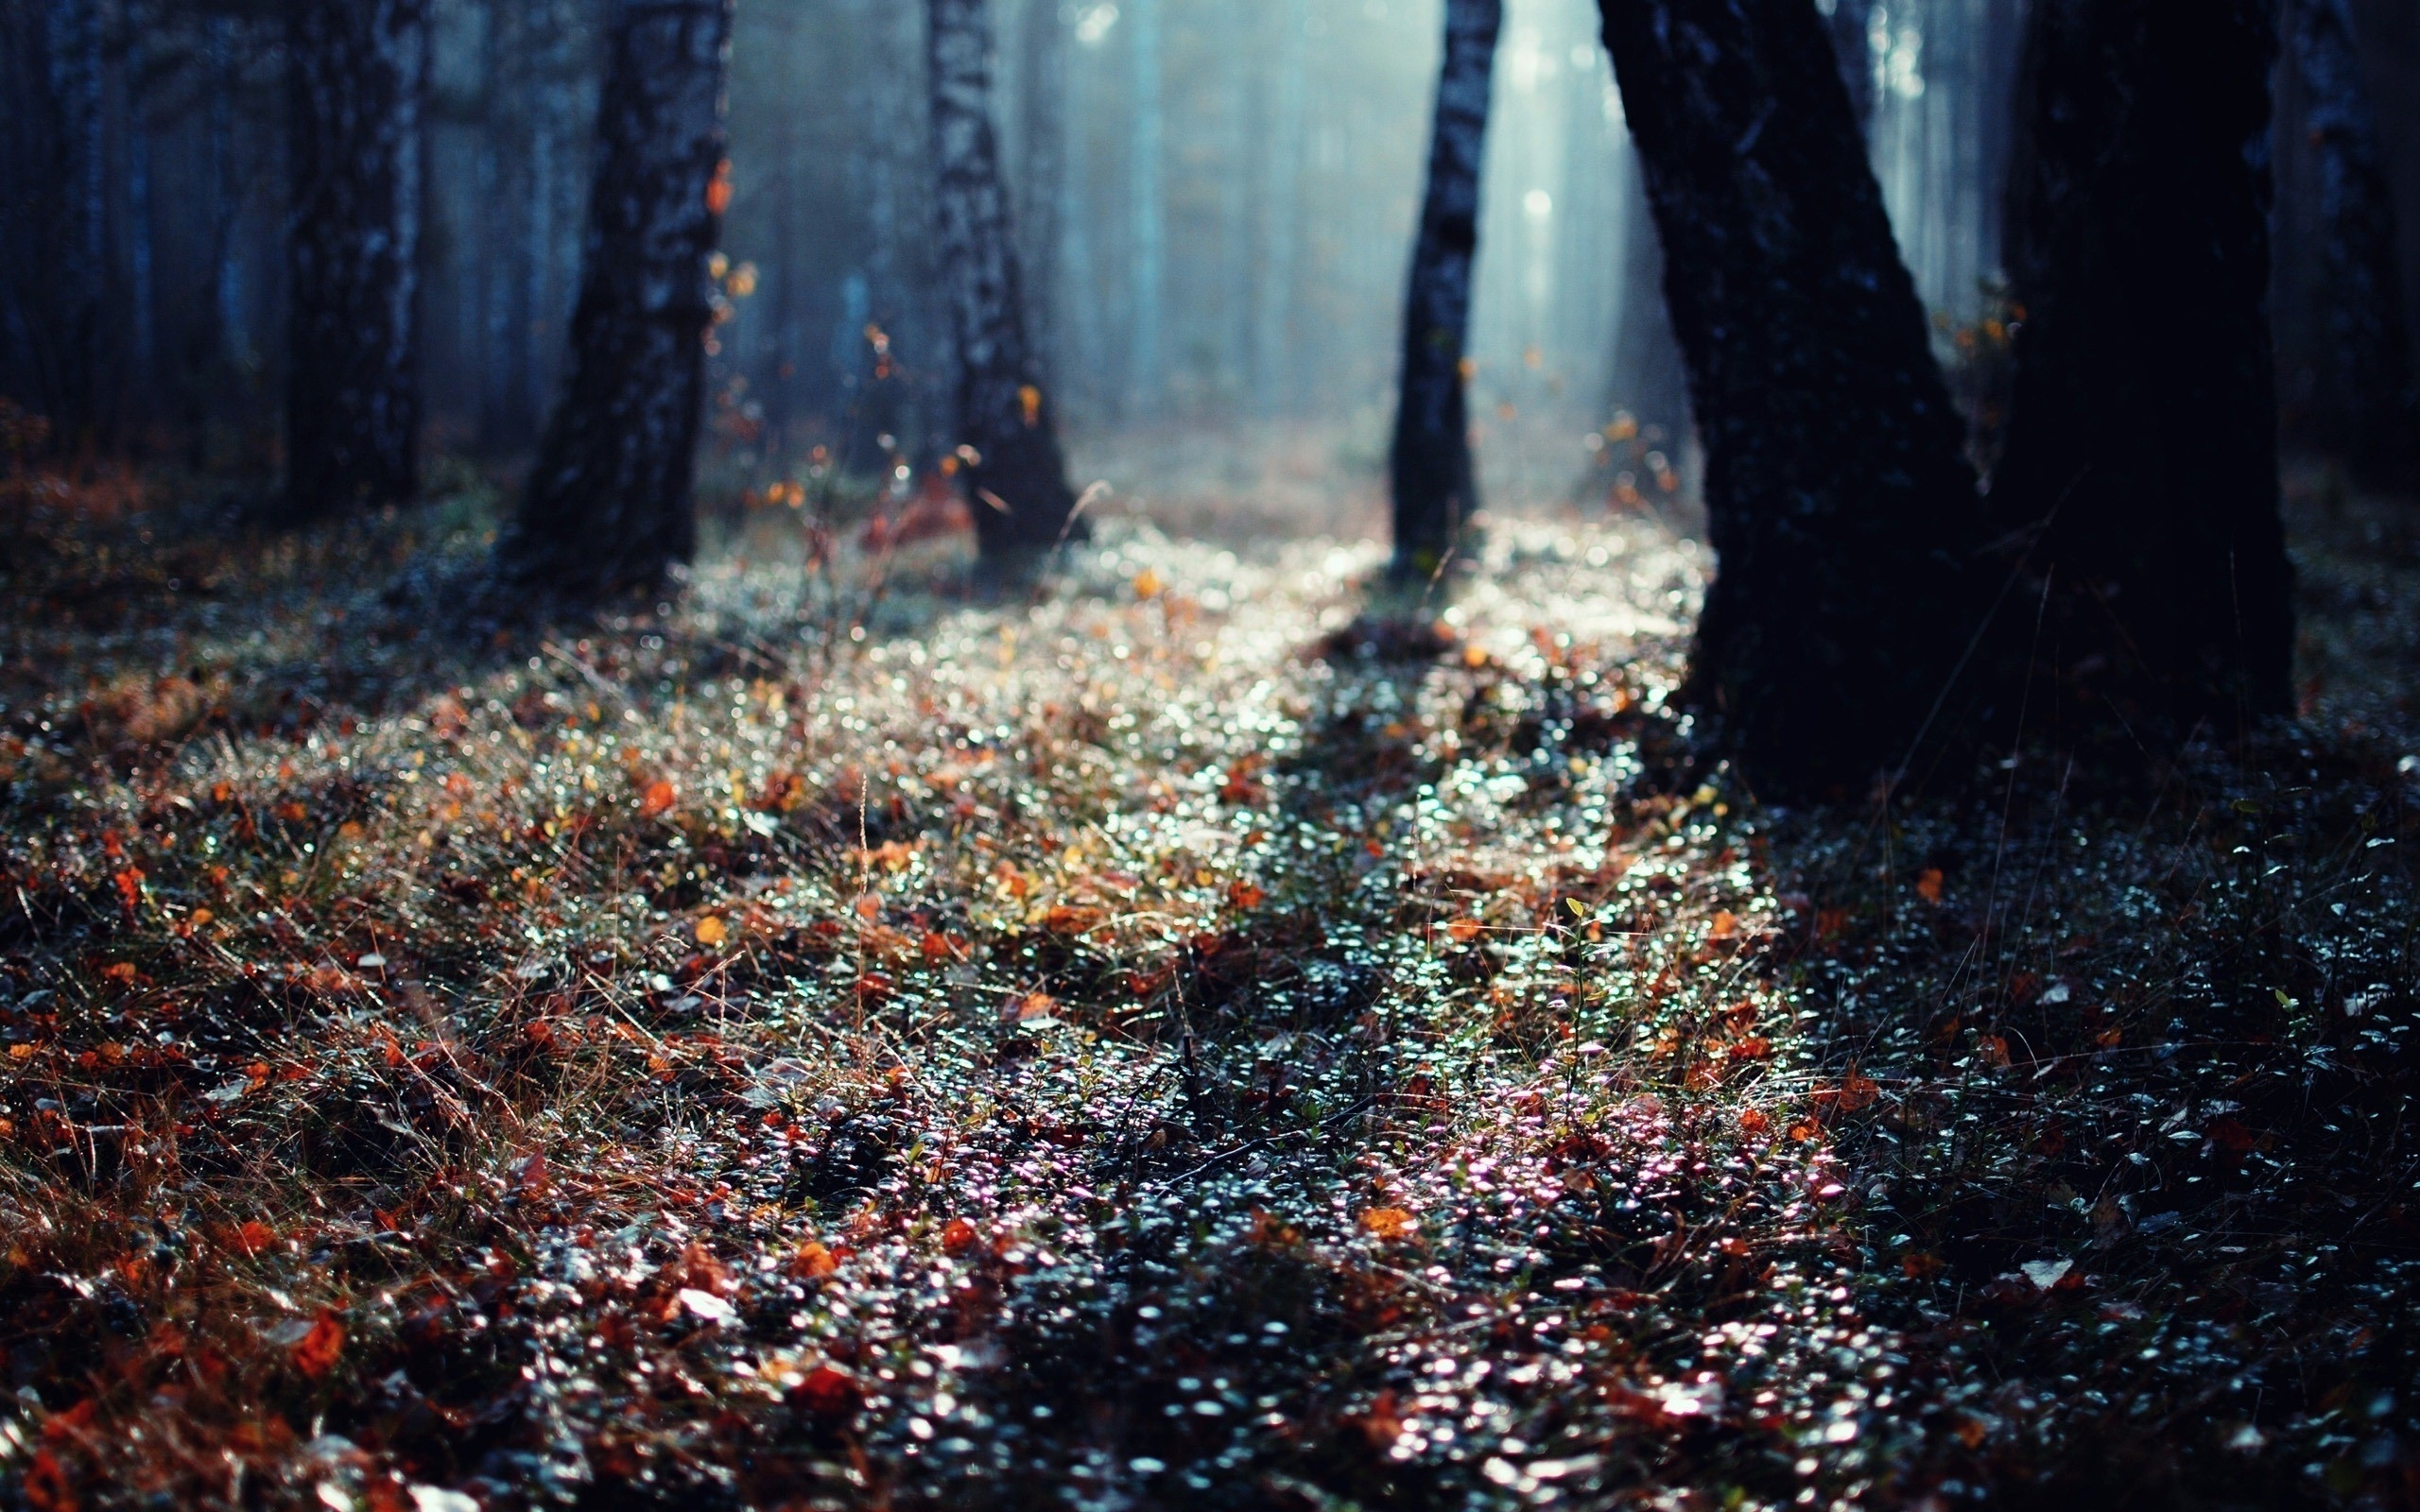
[
  {"x": 610, "y": 504},
  {"x": 356, "y": 71},
  {"x": 53, "y": 227},
  {"x": 1434, "y": 486},
  {"x": 142, "y": 294},
  {"x": 1017, "y": 481},
  {"x": 2364, "y": 401},
  {"x": 1273, "y": 346},
  {"x": 1043, "y": 108},
  {"x": 1146, "y": 204},
  {"x": 1839, "y": 503},
  {"x": 2142, "y": 441}
]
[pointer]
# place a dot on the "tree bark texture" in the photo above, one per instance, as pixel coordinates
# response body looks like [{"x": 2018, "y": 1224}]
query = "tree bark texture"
[
  {"x": 610, "y": 504},
  {"x": 356, "y": 74},
  {"x": 2361, "y": 400},
  {"x": 1434, "y": 486},
  {"x": 1017, "y": 480},
  {"x": 2141, "y": 457},
  {"x": 1839, "y": 503}
]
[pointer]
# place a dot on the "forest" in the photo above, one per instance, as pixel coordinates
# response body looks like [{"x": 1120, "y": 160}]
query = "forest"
[{"x": 1320, "y": 755}]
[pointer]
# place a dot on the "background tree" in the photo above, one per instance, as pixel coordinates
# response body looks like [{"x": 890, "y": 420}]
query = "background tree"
[
  {"x": 1434, "y": 486},
  {"x": 1017, "y": 480},
  {"x": 2351, "y": 391},
  {"x": 1838, "y": 502},
  {"x": 2141, "y": 456},
  {"x": 356, "y": 74},
  {"x": 610, "y": 503},
  {"x": 53, "y": 294}
]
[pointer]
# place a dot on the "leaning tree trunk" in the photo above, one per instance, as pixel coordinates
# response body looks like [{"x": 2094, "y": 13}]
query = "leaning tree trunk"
[
  {"x": 2364, "y": 401},
  {"x": 1840, "y": 510},
  {"x": 610, "y": 503},
  {"x": 1016, "y": 479},
  {"x": 355, "y": 72},
  {"x": 2141, "y": 461},
  {"x": 1430, "y": 472}
]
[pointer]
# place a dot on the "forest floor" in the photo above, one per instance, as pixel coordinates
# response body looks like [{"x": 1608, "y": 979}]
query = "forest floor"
[{"x": 822, "y": 1044}]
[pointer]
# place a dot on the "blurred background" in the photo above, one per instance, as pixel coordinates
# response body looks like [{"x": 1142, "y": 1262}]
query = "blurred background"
[{"x": 1215, "y": 197}]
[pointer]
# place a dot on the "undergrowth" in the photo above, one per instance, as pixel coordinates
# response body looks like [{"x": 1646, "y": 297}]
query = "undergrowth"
[{"x": 1158, "y": 1044}]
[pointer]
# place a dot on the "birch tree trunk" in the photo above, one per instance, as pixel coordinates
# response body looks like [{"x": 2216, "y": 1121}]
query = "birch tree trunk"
[
  {"x": 2363, "y": 404},
  {"x": 2141, "y": 452},
  {"x": 1017, "y": 481},
  {"x": 610, "y": 504},
  {"x": 1434, "y": 486},
  {"x": 355, "y": 74},
  {"x": 1839, "y": 503}
]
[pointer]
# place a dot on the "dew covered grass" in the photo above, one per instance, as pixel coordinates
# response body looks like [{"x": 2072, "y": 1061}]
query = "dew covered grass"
[{"x": 1168, "y": 1040}]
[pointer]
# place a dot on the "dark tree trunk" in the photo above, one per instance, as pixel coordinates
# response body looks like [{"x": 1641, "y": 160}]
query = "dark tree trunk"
[
  {"x": 1839, "y": 505},
  {"x": 53, "y": 254},
  {"x": 1434, "y": 484},
  {"x": 2361, "y": 401},
  {"x": 2141, "y": 451},
  {"x": 356, "y": 72},
  {"x": 1017, "y": 481},
  {"x": 610, "y": 504}
]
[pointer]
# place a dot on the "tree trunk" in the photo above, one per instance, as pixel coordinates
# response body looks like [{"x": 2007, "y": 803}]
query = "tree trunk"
[
  {"x": 1016, "y": 481},
  {"x": 610, "y": 504},
  {"x": 1148, "y": 210},
  {"x": 1838, "y": 504},
  {"x": 1273, "y": 345},
  {"x": 1042, "y": 109},
  {"x": 2363, "y": 401},
  {"x": 53, "y": 248},
  {"x": 2141, "y": 450},
  {"x": 356, "y": 71},
  {"x": 1434, "y": 486}
]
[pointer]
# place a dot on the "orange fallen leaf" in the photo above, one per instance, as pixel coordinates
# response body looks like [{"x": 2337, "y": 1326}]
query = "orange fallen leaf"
[
  {"x": 813, "y": 1261},
  {"x": 827, "y": 1393},
  {"x": 318, "y": 1350},
  {"x": 1389, "y": 1223},
  {"x": 252, "y": 1238},
  {"x": 712, "y": 930},
  {"x": 658, "y": 799},
  {"x": 1929, "y": 884}
]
